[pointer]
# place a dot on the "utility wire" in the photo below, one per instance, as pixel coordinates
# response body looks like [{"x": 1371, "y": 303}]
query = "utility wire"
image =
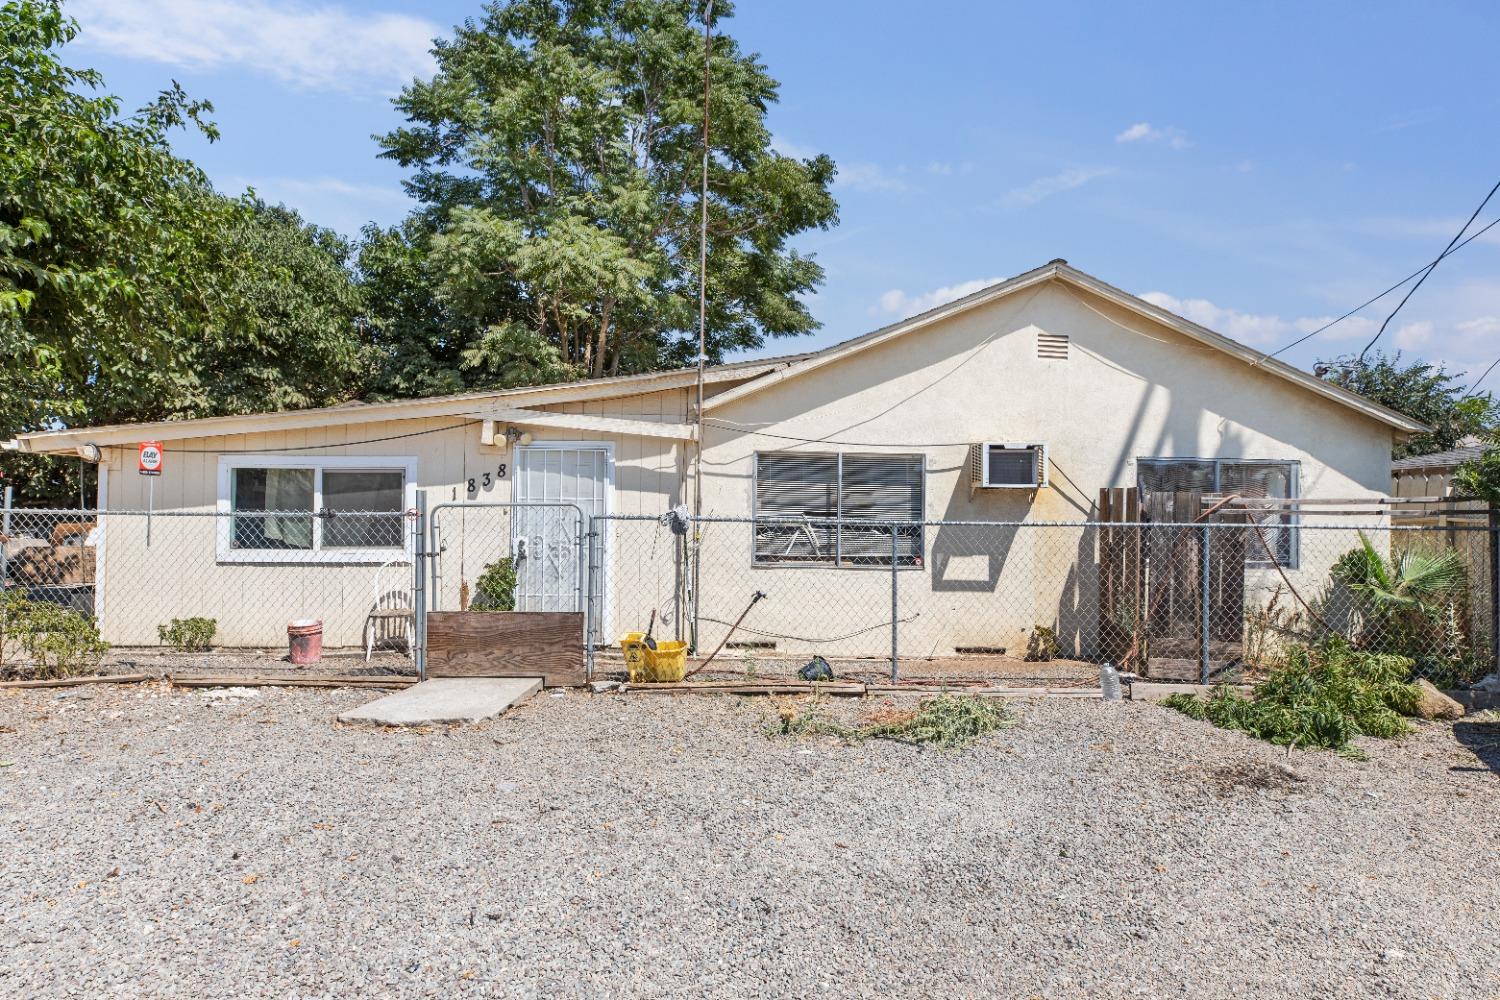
[
  {"x": 1430, "y": 268},
  {"x": 307, "y": 447},
  {"x": 1371, "y": 301},
  {"x": 1474, "y": 386}
]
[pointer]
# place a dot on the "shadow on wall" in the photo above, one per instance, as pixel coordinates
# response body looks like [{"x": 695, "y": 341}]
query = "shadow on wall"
[
  {"x": 970, "y": 559},
  {"x": 1034, "y": 575}
]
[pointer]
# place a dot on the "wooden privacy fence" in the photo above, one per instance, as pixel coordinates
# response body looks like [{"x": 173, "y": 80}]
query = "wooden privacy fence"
[
  {"x": 1172, "y": 587},
  {"x": 1171, "y": 594}
]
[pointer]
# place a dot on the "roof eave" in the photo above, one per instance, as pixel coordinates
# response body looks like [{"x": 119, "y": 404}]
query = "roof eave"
[{"x": 66, "y": 441}]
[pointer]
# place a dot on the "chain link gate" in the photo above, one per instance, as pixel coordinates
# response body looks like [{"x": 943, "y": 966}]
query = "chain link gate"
[{"x": 508, "y": 556}]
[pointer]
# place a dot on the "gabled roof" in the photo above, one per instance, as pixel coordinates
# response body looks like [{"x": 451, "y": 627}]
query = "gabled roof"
[
  {"x": 753, "y": 376},
  {"x": 458, "y": 405},
  {"x": 1060, "y": 270}
]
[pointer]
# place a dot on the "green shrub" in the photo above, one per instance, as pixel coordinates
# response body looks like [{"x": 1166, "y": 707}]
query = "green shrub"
[
  {"x": 496, "y": 588},
  {"x": 57, "y": 641},
  {"x": 190, "y": 635},
  {"x": 1322, "y": 696},
  {"x": 1413, "y": 604}
]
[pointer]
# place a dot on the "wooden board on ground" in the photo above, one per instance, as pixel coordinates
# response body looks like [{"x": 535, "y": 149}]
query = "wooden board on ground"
[{"x": 545, "y": 644}]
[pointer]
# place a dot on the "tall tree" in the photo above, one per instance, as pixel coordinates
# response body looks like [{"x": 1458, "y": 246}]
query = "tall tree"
[
  {"x": 1421, "y": 390},
  {"x": 557, "y": 156},
  {"x": 129, "y": 288}
]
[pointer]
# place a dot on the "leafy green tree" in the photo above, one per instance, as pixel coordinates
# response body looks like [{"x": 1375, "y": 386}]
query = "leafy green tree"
[
  {"x": 1479, "y": 478},
  {"x": 102, "y": 229},
  {"x": 1422, "y": 391},
  {"x": 129, "y": 288},
  {"x": 557, "y": 157},
  {"x": 292, "y": 339}
]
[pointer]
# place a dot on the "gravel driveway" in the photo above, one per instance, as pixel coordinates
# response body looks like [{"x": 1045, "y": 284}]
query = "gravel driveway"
[{"x": 162, "y": 844}]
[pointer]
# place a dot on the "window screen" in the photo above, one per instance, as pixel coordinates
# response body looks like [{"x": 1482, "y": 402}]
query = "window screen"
[
  {"x": 365, "y": 491},
  {"x": 1247, "y": 478},
  {"x": 273, "y": 490},
  {"x": 794, "y": 492},
  {"x": 325, "y": 508},
  {"x": 1012, "y": 466}
]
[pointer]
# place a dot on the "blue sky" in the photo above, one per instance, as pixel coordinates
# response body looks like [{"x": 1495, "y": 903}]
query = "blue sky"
[{"x": 1257, "y": 167}]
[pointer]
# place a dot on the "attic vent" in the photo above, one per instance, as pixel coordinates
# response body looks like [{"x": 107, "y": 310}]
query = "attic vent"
[{"x": 1052, "y": 346}]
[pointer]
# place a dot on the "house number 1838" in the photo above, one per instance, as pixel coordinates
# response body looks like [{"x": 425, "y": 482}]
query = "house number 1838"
[{"x": 486, "y": 481}]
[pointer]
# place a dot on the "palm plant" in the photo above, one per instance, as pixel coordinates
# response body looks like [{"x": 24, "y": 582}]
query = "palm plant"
[
  {"x": 1414, "y": 580},
  {"x": 1409, "y": 604}
]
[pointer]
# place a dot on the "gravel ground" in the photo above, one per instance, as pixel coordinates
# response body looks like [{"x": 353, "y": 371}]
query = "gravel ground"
[{"x": 161, "y": 844}]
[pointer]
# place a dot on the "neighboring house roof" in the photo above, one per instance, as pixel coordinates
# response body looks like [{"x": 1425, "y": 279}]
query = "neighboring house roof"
[
  {"x": 1060, "y": 270},
  {"x": 1438, "y": 459},
  {"x": 753, "y": 375}
]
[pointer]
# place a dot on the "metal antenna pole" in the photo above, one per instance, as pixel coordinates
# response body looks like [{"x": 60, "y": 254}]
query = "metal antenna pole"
[
  {"x": 708, "y": 16},
  {"x": 708, "y": 20}
]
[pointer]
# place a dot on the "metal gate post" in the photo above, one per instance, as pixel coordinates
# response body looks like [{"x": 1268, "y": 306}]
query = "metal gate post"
[
  {"x": 894, "y": 651},
  {"x": 586, "y": 590},
  {"x": 1494, "y": 533},
  {"x": 419, "y": 587},
  {"x": 1203, "y": 583}
]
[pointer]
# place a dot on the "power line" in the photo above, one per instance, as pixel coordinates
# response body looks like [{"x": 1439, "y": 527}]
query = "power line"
[
  {"x": 1430, "y": 268},
  {"x": 308, "y": 447},
  {"x": 1474, "y": 386},
  {"x": 1371, "y": 301}
]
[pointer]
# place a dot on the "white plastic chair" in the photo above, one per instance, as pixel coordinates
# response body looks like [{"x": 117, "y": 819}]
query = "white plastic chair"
[{"x": 390, "y": 612}]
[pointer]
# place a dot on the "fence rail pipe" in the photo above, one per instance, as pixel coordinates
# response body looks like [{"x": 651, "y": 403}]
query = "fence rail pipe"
[
  {"x": 1204, "y": 564},
  {"x": 895, "y": 653}
]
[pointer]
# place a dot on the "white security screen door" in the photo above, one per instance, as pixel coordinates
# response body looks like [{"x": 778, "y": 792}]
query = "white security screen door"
[{"x": 544, "y": 540}]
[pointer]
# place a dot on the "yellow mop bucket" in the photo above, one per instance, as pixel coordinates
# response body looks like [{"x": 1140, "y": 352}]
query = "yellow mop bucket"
[
  {"x": 633, "y": 645},
  {"x": 667, "y": 662}
]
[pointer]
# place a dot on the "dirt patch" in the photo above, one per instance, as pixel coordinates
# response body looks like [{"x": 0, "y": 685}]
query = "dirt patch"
[{"x": 1242, "y": 776}]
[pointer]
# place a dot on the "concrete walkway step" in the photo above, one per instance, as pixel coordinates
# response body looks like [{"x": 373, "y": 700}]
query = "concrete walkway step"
[{"x": 446, "y": 699}]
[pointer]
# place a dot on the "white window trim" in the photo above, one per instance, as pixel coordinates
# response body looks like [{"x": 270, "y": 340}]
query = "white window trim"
[
  {"x": 1294, "y": 537},
  {"x": 227, "y": 553}
]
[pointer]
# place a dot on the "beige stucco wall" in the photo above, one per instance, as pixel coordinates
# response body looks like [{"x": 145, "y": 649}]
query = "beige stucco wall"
[
  {"x": 1130, "y": 388},
  {"x": 179, "y": 575}
]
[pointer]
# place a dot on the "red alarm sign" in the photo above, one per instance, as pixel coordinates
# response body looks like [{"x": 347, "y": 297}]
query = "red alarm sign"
[{"x": 150, "y": 458}]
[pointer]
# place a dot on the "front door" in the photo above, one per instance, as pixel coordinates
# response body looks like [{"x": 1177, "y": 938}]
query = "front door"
[{"x": 544, "y": 540}]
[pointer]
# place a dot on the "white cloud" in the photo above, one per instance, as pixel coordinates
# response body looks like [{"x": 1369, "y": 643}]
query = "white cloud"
[
  {"x": 856, "y": 175},
  {"x": 859, "y": 176},
  {"x": 341, "y": 205},
  {"x": 896, "y": 302},
  {"x": 291, "y": 188},
  {"x": 1414, "y": 336},
  {"x": 1263, "y": 330},
  {"x": 1439, "y": 229},
  {"x": 1045, "y": 187},
  {"x": 317, "y": 47},
  {"x": 1146, "y": 132}
]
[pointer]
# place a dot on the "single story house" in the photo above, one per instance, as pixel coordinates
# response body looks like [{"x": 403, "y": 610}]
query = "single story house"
[{"x": 1014, "y": 404}]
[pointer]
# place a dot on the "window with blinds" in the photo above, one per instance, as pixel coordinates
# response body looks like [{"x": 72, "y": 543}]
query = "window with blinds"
[
  {"x": 1248, "y": 478},
  {"x": 807, "y": 508}
]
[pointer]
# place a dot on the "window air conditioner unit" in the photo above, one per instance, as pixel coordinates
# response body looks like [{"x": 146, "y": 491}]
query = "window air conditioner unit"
[{"x": 994, "y": 466}]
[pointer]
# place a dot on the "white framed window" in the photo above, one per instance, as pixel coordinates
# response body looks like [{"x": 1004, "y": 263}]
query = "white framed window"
[
  {"x": 1247, "y": 477},
  {"x": 805, "y": 503},
  {"x": 297, "y": 509}
]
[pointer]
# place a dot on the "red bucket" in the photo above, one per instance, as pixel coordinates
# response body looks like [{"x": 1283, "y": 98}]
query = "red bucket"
[{"x": 305, "y": 639}]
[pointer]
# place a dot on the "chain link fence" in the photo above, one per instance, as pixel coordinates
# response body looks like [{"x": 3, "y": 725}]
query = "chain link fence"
[
  {"x": 964, "y": 600},
  {"x": 881, "y": 600},
  {"x": 252, "y": 573}
]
